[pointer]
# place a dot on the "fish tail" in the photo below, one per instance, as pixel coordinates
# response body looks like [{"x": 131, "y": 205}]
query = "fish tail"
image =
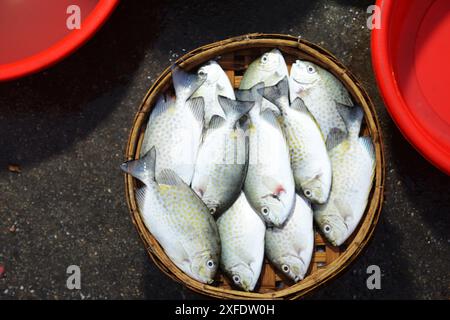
[
  {"x": 277, "y": 94},
  {"x": 252, "y": 94},
  {"x": 234, "y": 109},
  {"x": 143, "y": 168},
  {"x": 352, "y": 117},
  {"x": 185, "y": 84}
]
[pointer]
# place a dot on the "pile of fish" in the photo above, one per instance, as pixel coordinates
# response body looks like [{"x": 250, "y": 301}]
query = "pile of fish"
[{"x": 232, "y": 176}]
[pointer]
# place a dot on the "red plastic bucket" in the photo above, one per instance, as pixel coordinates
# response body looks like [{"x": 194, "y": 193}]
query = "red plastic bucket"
[
  {"x": 35, "y": 34},
  {"x": 410, "y": 54}
]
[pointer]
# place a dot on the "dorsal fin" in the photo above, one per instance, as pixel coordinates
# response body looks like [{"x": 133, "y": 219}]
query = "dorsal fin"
[
  {"x": 367, "y": 144},
  {"x": 164, "y": 102},
  {"x": 140, "y": 198},
  {"x": 170, "y": 178},
  {"x": 216, "y": 122},
  {"x": 197, "y": 107}
]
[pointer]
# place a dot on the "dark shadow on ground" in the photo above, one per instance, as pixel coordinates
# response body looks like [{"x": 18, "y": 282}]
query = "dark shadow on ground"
[
  {"x": 45, "y": 113},
  {"x": 200, "y": 22},
  {"x": 425, "y": 185}
]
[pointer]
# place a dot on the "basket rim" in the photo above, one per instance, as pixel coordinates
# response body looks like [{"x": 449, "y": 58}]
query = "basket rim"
[{"x": 365, "y": 229}]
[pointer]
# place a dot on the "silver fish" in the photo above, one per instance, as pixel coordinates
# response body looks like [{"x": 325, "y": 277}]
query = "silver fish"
[
  {"x": 319, "y": 90},
  {"x": 269, "y": 184},
  {"x": 175, "y": 127},
  {"x": 222, "y": 158},
  {"x": 290, "y": 248},
  {"x": 242, "y": 236},
  {"x": 177, "y": 218},
  {"x": 217, "y": 84},
  {"x": 269, "y": 69},
  {"x": 309, "y": 159},
  {"x": 353, "y": 161}
]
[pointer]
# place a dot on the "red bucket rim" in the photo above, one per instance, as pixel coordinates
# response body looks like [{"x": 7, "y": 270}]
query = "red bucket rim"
[
  {"x": 63, "y": 47},
  {"x": 392, "y": 94}
]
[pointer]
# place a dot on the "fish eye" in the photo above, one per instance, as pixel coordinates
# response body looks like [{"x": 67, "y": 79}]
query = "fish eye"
[
  {"x": 326, "y": 228},
  {"x": 265, "y": 211},
  {"x": 308, "y": 193},
  {"x": 236, "y": 279},
  {"x": 202, "y": 73},
  {"x": 310, "y": 69},
  {"x": 264, "y": 59},
  {"x": 210, "y": 264},
  {"x": 285, "y": 268},
  {"x": 212, "y": 210}
]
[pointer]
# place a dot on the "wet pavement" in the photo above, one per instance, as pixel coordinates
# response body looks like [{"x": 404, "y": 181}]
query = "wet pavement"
[{"x": 66, "y": 128}]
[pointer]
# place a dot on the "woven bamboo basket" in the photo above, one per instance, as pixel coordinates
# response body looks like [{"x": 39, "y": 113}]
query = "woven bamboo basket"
[{"x": 234, "y": 55}]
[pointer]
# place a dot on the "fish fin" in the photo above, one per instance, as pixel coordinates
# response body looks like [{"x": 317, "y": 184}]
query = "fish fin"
[
  {"x": 234, "y": 109},
  {"x": 185, "y": 84},
  {"x": 352, "y": 117},
  {"x": 270, "y": 117},
  {"x": 197, "y": 106},
  {"x": 251, "y": 94},
  {"x": 170, "y": 178},
  {"x": 277, "y": 94},
  {"x": 161, "y": 107},
  {"x": 216, "y": 122},
  {"x": 299, "y": 105},
  {"x": 211, "y": 114},
  {"x": 143, "y": 168},
  {"x": 366, "y": 143},
  {"x": 335, "y": 138},
  {"x": 140, "y": 198}
]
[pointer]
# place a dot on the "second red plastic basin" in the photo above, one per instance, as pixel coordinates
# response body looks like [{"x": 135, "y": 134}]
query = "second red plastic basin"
[{"x": 411, "y": 60}]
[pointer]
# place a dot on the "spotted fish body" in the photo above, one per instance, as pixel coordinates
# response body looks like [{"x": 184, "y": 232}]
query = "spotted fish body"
[
  {"x": 319, "y": 90},
  {"x": 309, "y": 159},
  {"x": 177, "y": 218},
  {"x": 290, "y": 248},
  {"x": 353, "y": 161},
  {"x": 242, "y": 236},
  {"x": 269, "y": 184},
  {"x": 222, "y": 160},
  {"x": 175, "y": 127},
  {"x": 216, "y": 84}
]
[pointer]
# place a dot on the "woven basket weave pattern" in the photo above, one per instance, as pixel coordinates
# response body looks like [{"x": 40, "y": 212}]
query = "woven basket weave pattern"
[{"x": 234, "y": 55}]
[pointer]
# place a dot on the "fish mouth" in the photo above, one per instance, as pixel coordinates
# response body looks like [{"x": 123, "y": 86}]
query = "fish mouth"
[
  {"x": 298, "y": 278},
  {"x": 249, "y": 286},
  {"x": 304, "y": 83},
  {"x": 276, "y": 222},
  {"x": 335, "y": 243}
]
